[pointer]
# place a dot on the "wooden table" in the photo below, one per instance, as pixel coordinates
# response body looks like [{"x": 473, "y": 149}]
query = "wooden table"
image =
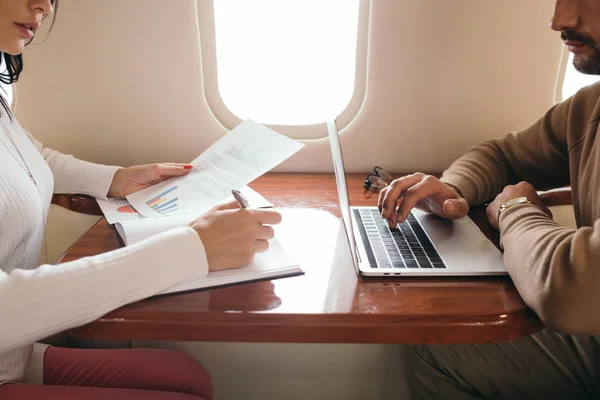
[{"x": 329, "y": 304}]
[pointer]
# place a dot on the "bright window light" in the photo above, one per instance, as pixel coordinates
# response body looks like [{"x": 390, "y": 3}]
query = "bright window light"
[
  {"x": 286, "y": 62},
  {"x": 575, "y": 80}
]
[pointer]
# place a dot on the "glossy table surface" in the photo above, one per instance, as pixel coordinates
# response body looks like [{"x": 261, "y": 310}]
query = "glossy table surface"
[{"x": 329, "y": 303}]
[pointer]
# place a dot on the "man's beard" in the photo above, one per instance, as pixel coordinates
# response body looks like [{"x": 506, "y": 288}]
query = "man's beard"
[{"x": 590, "y": 64}]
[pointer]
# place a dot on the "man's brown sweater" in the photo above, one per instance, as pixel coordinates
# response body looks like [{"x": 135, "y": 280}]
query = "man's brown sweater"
[{"x": 556, "y": 269}]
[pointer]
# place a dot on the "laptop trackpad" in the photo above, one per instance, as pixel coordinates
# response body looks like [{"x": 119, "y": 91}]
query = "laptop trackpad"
[{"x": 461, "y": 244}]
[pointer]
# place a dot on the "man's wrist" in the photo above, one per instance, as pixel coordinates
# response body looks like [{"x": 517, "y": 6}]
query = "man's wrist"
[
  {"x": 502, "y": 215},
  {"x": 517, "y": 201},
  {"x": 457, "y": 190}
]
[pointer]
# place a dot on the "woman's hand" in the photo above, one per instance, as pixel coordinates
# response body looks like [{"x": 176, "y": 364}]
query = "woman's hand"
[
  {"x": 232, "y": 235},
  {"x": 130, "y": 180}
]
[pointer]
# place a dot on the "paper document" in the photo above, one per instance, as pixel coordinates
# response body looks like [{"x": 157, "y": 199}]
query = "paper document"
[
  {"x": 119, "y": 210},
  {"x": 245, "y": 153},
  {"x": 272, "y": 264}
]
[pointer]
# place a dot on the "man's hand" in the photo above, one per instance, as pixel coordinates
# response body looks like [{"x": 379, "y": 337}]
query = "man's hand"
[
  {"x": 521, "y": 189},
  {"x": 233, "y": 235},
  {"x": 130, "y": 180},
  {"x": 425, "y": 192}
]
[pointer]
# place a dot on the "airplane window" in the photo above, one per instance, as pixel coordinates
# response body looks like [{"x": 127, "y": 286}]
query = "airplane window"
[
  {"x": 575, "y": 80},
  {"x": 286, "y": 62}
]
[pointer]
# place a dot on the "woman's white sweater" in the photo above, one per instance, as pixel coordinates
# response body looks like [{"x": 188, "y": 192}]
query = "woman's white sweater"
[{"x": 39, "y": 301}]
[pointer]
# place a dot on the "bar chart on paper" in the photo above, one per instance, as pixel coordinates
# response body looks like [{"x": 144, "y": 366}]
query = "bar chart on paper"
[
  {"x": 245, "y": 153},
  {"x": 164, "y": 203}
]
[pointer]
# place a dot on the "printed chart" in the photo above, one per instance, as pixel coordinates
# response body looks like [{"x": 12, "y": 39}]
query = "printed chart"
[{"x": 164, "y": 203}]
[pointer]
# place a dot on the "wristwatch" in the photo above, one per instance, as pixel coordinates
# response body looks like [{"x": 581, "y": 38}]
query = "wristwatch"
[{"x": 511, "y": 203}]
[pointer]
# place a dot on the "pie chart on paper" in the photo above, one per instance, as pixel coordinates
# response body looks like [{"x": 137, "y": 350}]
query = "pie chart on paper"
[{"x": 126, "y": 209}]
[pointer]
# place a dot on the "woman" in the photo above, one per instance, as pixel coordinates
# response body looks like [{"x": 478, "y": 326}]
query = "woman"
[{"x": 38, "y": 301}]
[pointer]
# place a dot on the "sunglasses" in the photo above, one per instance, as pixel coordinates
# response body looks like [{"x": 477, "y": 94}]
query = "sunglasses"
[{"x": 378, "y": 179}]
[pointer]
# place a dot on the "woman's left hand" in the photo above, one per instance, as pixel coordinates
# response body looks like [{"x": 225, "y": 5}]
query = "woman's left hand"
[{"x": 131, "y": 179}]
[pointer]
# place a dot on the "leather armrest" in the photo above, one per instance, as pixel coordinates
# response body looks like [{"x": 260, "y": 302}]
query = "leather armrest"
[
  {"x": 557, "y": 197},
  {"x": 78, "y": 203}
]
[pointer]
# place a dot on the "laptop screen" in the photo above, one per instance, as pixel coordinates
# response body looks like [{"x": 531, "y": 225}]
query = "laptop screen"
[{"x": 340, "y": 178}]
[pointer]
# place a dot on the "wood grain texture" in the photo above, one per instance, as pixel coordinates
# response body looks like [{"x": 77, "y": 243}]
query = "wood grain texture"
[{"x": 329, "y": 304}]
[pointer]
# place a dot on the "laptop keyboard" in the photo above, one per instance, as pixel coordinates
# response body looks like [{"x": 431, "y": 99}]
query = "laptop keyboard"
[{"x": 406, "y": 246}]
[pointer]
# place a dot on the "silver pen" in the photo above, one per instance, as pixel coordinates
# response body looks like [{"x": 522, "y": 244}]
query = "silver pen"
[{"x": 240, "y": 198}]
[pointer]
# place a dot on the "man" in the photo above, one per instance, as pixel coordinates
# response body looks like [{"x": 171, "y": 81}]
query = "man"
[{"x": 555, "y": 269}]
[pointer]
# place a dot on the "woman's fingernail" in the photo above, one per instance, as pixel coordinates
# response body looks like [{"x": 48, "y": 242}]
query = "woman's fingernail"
[{"x": 188, "y": 166}]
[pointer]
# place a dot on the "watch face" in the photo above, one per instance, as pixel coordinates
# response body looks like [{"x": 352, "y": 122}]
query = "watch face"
[{"x": 518, "y": 200}]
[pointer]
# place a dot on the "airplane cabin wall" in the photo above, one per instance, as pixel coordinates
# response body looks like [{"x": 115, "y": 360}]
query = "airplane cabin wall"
[{"x": 121, "y": 82}]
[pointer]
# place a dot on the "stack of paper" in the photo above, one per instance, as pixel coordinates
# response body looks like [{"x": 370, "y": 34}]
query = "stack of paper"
[{"x": 244, "y": 154}]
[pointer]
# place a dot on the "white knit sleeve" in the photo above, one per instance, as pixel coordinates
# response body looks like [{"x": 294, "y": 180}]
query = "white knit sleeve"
[
  {"x": 52, "y": 298},
  {"x": 72, "y": 175}
]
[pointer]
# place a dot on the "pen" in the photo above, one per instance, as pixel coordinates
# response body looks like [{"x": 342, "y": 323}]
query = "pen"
[{"x": 240, "y": 198}]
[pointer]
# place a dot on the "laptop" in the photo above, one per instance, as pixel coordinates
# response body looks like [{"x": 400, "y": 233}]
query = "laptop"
[{"x": 423, "y": 245}]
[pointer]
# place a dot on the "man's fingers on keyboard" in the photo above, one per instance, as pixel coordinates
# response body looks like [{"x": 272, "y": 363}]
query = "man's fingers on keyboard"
[
  {"x": 422, "y": 190},
  {"x": 395, "y": 192},
  {"x": 380, "y": 199}
]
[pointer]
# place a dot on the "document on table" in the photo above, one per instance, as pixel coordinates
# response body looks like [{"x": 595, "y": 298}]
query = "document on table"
[
  {"x": 133, "y": 231},
  {"x": 274, "y": 263},
  {"x": 245, "y": 153},
  {"x": 119, "y": 210}
]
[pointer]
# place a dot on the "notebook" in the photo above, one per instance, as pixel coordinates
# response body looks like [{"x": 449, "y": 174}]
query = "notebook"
[{"x": 275, "y": 263}]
